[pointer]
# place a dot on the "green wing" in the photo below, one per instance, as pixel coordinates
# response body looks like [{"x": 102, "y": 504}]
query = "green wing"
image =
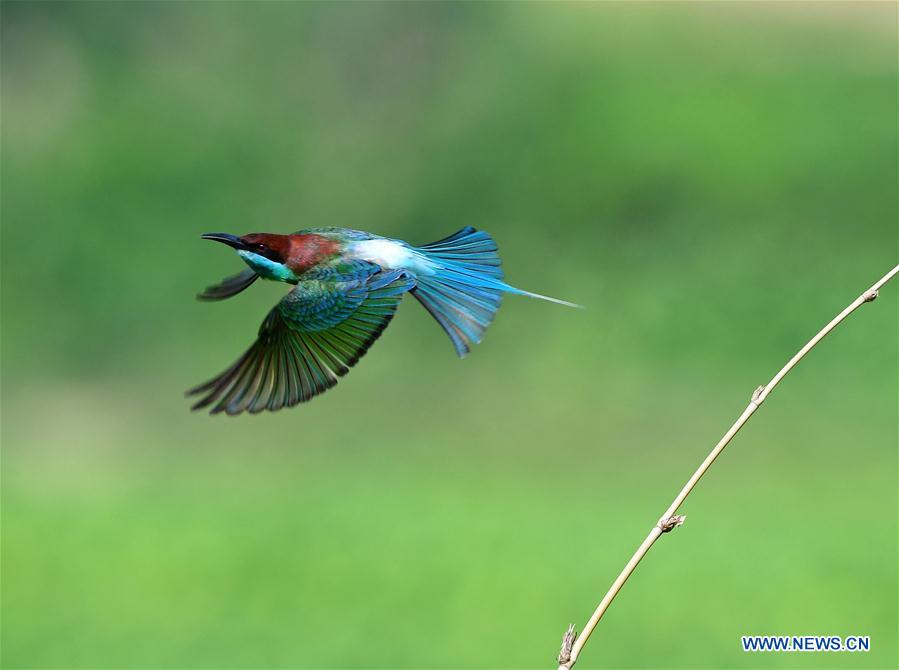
[{"x": 313, "y": 336}]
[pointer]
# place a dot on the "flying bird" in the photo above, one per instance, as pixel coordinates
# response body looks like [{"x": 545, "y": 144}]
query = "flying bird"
[{"x": 347, "y": 285}]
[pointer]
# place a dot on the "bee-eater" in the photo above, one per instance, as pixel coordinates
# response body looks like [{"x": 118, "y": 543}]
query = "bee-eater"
[{"x": 347, "y": 286}]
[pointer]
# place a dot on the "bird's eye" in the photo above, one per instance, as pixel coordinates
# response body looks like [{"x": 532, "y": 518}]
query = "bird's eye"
[{"x": 260, "y": 246}]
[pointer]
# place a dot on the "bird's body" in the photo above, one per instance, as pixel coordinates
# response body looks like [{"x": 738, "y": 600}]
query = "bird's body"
[{"x": 348, "y": 284}]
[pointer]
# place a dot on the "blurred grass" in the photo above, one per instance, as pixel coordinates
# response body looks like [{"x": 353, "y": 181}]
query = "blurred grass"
[{"x": 714, "y": 182}]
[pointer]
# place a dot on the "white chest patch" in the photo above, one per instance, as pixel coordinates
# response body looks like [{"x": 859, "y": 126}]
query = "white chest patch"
[{"x": 392, "y": 255}]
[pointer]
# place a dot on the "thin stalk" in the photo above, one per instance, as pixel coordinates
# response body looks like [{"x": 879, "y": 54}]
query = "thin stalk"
[{"x": 572, "y": 643}]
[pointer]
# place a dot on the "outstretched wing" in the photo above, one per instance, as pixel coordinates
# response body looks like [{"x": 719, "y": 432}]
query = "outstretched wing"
[
  {"x": 229, "y": 286},
  {"x": 313, "y": 336}
]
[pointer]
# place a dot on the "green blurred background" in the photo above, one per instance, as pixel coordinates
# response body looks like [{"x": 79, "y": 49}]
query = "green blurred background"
[{"x": 714, "y": 182}]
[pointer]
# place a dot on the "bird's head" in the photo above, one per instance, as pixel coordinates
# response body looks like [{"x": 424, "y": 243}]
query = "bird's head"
[{"x": 268, "y": 254}]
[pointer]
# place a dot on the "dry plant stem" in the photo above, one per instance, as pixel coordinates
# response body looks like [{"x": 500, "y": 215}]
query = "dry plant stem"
[{"x": 572, "y": 644}]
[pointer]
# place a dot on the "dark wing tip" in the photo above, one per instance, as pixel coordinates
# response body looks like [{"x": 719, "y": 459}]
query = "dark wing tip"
[{"x": 230, "y": 286}]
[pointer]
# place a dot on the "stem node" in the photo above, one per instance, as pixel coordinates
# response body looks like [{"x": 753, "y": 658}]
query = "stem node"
[
  {"x": 567, "y": 644},
  {"x": 758, "y": 396},
  {"x": 672, "y": 522}
]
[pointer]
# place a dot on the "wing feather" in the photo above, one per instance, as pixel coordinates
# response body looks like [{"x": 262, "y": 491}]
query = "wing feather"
[
  {"x": 229, "y": 286},
  {"x": 311, "y": 338}
]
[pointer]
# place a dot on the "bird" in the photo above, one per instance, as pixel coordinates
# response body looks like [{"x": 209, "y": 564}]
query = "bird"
[{"x": 347, "y": 285}]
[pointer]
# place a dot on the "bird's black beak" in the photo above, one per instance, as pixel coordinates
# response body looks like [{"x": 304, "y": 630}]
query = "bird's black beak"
[{"x": 225, "y": 238}]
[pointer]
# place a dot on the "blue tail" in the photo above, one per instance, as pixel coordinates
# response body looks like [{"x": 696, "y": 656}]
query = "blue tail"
[{"x": 466, "y": 288}]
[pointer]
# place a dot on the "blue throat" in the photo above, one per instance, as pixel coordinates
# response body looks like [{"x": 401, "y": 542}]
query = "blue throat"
[{"x": 267, "y": 268}]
